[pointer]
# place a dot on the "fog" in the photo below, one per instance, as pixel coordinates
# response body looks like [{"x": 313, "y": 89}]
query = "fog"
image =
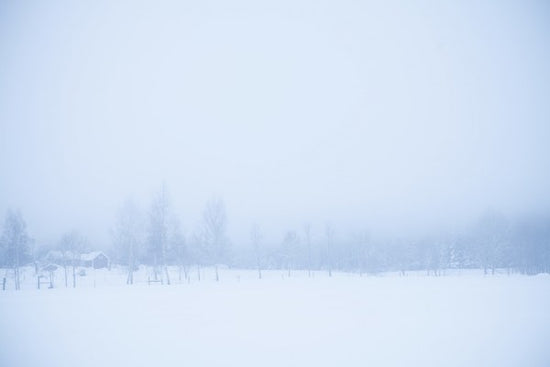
[
  {"x": 274, "y": 183},
  {"x": 401, "y": 119}
]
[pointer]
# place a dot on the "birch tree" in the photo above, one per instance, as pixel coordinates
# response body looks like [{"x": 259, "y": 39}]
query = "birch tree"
[
  {"x": 158, "y": 233},
  {"x": 307, "y": 235},
  {"x": 214, "y": 232},
  {"x": 362, "y": 244},
  {"x": 198, "y": 249},
  {"x": 256, "y": 237},
  {"x": 290, "y": 241},
  {"x": 492, "y": 237},
  {"x": 72, "y": 244},
  {"x": 15, "y": 242},
  {"x": 329, "y": 232},
  {"x": 179, "y": 248},
  {"x": 127, "y": 236}
]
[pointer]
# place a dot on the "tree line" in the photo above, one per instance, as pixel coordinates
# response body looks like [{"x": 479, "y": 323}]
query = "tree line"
[{"x": 155, "y": 238}]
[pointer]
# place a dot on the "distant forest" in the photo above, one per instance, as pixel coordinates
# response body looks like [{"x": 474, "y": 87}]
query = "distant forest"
[{"x": 156, "y": 239}]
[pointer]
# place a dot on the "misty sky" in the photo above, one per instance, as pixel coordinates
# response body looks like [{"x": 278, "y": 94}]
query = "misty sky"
[{"x": 396, "y": 116}]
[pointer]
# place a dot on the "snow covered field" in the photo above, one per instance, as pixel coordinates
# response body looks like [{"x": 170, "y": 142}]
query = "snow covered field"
[{"x": 456, "y": 320}]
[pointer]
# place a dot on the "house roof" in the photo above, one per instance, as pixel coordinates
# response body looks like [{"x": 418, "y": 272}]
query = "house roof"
[{"x": 90, "y": 256}]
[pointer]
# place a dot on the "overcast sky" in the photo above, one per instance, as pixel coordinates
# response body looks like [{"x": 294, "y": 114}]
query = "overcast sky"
[{"x": 397, "y": 116}]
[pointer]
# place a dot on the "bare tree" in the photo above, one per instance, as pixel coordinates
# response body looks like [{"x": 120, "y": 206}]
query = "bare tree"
[
  {"x": 290, "y": 240},
  {"x": 307, "y": 235},
  {"x": 179, "y": 247},
  {"x": 214, "y": 231},
  {"x": 158, "y": 233},
  {"x": 127, "y": 236},
  {"x": 329, "y": 232},
  {"x": 362, "y": 251},
  {"x": 198, "y": 249},
  {"x": 15, "y": 242},
  {"x": 256, "y": 238},
  {"x": 72, "y": 244},
  {"x": 492, "y": 232}
]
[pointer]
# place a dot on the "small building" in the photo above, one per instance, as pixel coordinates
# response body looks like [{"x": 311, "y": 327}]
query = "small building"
[{"x": 95, "y": 259}]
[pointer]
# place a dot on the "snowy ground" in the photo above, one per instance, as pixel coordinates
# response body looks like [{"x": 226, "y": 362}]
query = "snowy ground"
[{"x": 456, "y": 320}]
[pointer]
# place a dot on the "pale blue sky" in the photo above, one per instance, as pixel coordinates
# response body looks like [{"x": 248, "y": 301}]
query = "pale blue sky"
[{"x": 396, "y": 116}]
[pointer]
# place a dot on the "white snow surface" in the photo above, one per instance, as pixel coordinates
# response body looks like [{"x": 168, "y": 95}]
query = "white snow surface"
[{"x": 461, "y": 319}]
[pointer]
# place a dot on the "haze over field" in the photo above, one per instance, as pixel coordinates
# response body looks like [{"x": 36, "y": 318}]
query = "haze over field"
[
  {"x": 274, "y": 183},
  {"x": 397, "y": 117}
]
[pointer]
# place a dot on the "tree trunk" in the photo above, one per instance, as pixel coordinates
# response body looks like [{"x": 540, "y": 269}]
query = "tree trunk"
[
  {"x": 131, "y": 264},
  {"x": 130, "y": 278},
  {"x": 17, "y": 283},
  {"x": 185, "y": 272},
  {"x": 16, "y": 278},
  {"x": 167, "y": 275},
  {"x": 329, "y": 262},
  {"x": 308, "y": 260}
]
